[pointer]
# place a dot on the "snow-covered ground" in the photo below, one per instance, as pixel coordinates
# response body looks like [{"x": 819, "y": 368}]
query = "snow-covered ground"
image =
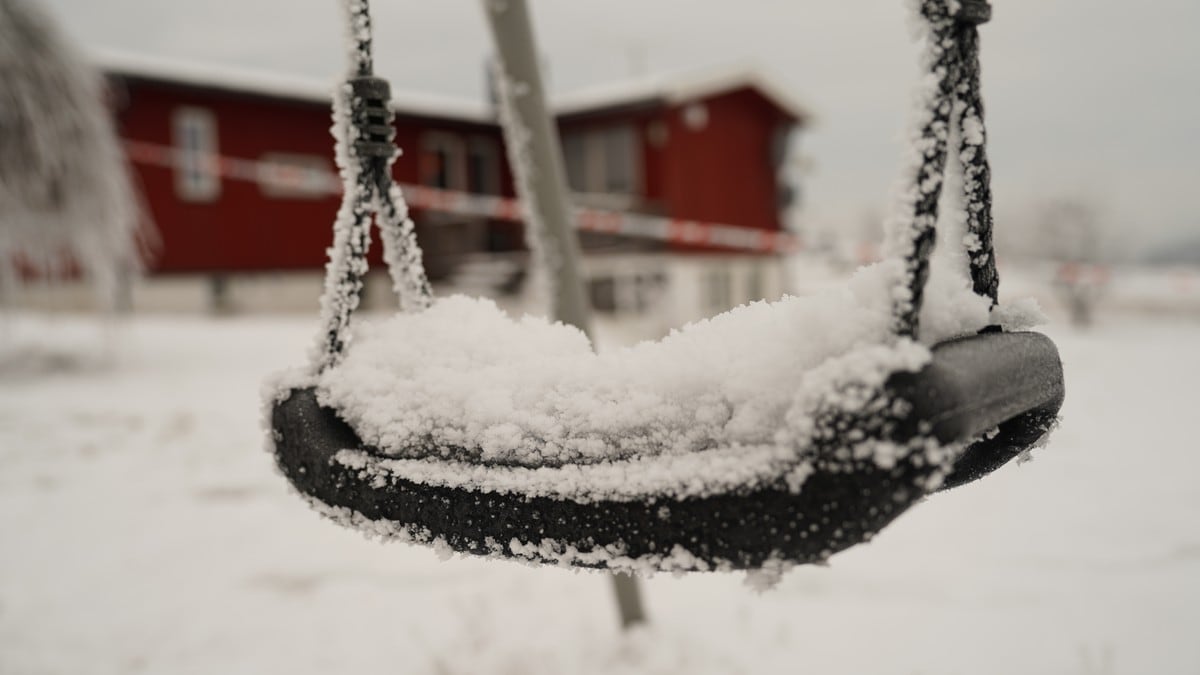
[{"x": 142, "y": 529}]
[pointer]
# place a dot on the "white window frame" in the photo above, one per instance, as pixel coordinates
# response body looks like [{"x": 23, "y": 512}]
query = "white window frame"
[{"x": 194, "y": 137}]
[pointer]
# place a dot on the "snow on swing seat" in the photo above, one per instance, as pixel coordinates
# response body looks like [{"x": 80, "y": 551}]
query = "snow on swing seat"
[
  {"x": 460, "y": 395},
  {"x": 447, "y": 427}
]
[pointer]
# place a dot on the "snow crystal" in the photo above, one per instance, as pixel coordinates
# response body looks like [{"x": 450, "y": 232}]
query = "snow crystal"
[
  {"x": 769, "y": 575},
  {"x": 1019, "y": 314},
  {"x": 972, "y": 129}
]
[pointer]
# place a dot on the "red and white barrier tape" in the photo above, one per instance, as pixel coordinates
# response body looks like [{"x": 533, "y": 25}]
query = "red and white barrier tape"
[{"x": 311, "y": 180}]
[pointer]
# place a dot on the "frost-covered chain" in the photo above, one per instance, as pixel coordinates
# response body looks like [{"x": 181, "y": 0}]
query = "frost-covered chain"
[
  {"x": 364, "y": 151},
  {"x": 375, "y": 150},
  {"x": 351, "y": 238},
  {"x": 361, "y": 62},
  {"x": 951, "y": 57},
  {"x": 400, "y": 250},
  {"x": 915, "y": 238},
  {"x": 977, "y": 174}
]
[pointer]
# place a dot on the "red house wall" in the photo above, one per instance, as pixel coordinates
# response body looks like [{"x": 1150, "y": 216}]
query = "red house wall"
[
  {"x": 244, "y": 228},
  {"x": 718, "y": 173},
  {"x": 722, "y": 171}
]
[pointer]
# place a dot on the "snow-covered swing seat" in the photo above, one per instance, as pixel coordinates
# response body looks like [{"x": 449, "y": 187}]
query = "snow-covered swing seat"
[{"x": 777, "y": 433}]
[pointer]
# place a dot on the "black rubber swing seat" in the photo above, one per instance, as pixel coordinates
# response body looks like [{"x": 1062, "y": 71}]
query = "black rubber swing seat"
[{"x": 1003, "y": 390}]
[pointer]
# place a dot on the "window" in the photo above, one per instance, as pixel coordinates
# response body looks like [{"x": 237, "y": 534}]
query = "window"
[
  {"x": 576, "y": 160},
  {"x": 650, "y": 289},
  {"x": 450, "y": 163},
  {"x": 194, "y": 135},
  {"x": 718, "y": 288},
  {"x": 443, "y": 162},
  {"x": 483, "y": 166},
  {"x": 603, "y": 160},
  {"x": 603, "y": 292},
  {"x": 627, "y": 292},
  {"x": 754, "y": 282},
  {"x": 619, "y": 148}
]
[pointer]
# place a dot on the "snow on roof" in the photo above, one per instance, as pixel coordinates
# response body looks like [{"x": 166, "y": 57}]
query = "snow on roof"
[
  {"x": 266, "y": 83},
  {"x": 677, "y": 88},
  {"x": 668, "y": 88}
]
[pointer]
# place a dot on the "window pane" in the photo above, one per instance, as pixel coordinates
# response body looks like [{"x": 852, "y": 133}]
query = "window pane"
[
  {"x": 754, "y": 283},
  {"x": 483, "y": 168},
  {"x": 619, "y": 166},
  {"x": 443, "y": 161},
  {"x": 650, "y": 287},
  {"x": 603, "y": 292},
  {"x": 720, "y": 295},
  {"x": 441, "y": 164},
  {"x": 573, "y": 155},
  {"x": 194, "y": 134}
]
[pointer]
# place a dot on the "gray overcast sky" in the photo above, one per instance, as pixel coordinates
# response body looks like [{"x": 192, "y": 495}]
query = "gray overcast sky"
[{"x": 1092, "y": 98}]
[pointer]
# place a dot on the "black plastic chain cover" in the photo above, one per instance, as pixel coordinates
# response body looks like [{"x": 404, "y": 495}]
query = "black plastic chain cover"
[
  {"x": 372, "y": 117},
  {"x": 973, "y": 12}
]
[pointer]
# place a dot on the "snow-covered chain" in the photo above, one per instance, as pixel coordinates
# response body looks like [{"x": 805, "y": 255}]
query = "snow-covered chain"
[
  {"x": 947, "y": 100},
  {"x": 367, "y": 188}
]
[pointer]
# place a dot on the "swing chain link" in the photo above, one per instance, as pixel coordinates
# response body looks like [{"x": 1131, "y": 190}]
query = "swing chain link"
[{"x": 954, "y": 47}]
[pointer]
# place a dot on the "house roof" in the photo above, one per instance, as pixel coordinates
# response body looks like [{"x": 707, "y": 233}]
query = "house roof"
[
  {"x": 679, "y": 88},
  {"x": 669, "y": 89},
  {"x": 265, "y": 83}
]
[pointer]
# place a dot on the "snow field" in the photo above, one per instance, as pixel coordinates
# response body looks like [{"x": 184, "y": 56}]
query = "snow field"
[{"x": 143, "y": 529}]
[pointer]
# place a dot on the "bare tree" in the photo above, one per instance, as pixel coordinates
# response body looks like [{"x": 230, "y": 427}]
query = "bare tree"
[{"x": 66, "y": 200}]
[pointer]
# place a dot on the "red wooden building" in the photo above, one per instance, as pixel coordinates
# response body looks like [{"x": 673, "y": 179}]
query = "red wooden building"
[{"x": 238, "y": 176}]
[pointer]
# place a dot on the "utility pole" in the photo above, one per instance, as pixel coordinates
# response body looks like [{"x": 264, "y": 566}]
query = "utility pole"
[{"x": 536, "y": 158}]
